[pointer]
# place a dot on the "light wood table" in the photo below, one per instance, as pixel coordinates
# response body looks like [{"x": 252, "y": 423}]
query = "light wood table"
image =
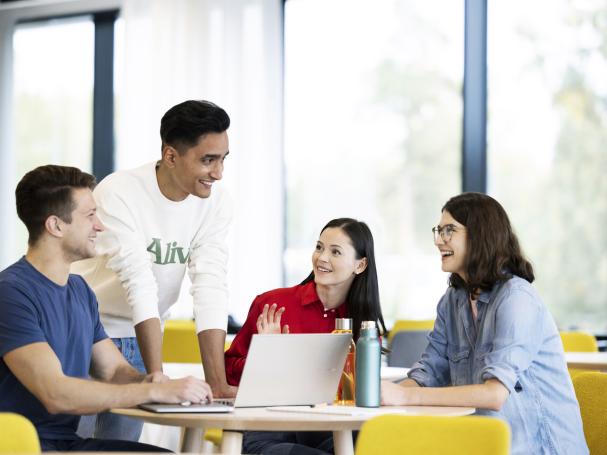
[
  {"x": 261, "y": 419},
  {"x": 587, "y": 360},
  {"x": 167, "y": 436}
]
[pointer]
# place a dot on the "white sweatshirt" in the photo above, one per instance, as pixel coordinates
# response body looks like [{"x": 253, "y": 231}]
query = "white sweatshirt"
[{"x": 143, "y": 252}]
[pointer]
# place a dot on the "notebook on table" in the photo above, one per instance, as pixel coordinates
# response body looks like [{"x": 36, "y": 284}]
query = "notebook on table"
[{"x": 282, "y": 370}]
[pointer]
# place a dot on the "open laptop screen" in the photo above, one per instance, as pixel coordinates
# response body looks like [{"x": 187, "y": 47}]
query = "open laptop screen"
[{"x": 292, "y": 369}]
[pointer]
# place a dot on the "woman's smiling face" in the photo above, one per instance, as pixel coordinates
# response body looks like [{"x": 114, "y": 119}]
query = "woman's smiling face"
[
  {"x": 334, "y": 259},
  {"x": 452, "y": 244}
]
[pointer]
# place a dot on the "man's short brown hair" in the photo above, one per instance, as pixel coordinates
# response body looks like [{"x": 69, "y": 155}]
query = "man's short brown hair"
[{"x": 46, "y": 191}]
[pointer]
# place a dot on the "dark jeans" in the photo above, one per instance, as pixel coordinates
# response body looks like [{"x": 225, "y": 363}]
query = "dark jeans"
[
  {"x": 288, "y": 443},
  {"x": 96, "y": 445}
]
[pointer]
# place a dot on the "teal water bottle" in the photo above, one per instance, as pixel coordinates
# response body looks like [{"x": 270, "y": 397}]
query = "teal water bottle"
[{"x": 368, "y": 364}]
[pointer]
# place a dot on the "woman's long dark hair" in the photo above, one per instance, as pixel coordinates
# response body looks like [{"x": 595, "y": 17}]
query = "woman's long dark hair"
[
  {"x": 363, "y": 296},
  {"x": 493, "y": 250}
]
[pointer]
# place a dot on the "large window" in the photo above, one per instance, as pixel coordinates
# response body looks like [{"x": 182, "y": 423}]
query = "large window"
[
  {"x": 373, "y": 119},
  {"x": 53, "y": 92},
  {"x": 547, "y": 139},
  {"x": 53, "y": 98}
]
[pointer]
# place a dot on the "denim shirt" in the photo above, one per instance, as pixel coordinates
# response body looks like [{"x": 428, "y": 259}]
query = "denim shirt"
[{"x": 515, "y": 340}]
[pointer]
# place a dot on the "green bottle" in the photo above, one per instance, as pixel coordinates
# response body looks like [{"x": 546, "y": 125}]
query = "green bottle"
[{"x": 368, "y": 364}]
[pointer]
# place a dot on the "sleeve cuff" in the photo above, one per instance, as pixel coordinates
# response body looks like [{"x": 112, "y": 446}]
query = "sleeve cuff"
[
  {"x": 422, "y": 378},
  {"x": 210, "y": 318},
  {"x": 5, "y": 348},
  {"x": 505, "y": 375},
  {"x": 100, "y": 336},
  {"x": 144, "y": 312}
]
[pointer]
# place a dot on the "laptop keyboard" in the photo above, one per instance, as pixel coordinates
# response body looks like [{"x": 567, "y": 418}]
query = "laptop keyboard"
[{"x": 224, "y": 401}]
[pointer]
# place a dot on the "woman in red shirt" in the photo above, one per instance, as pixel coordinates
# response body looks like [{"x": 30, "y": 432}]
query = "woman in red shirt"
[{"x": 342, "y": 284}]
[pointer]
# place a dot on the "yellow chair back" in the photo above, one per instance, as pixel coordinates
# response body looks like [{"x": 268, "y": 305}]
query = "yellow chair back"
[
  {"x": 579, "y": 342},
  {"x": 591, "y": 392},
  {"x": 433, "y": 435},
  {"x": 410, "y": 324},
  {"x": 180, "y": 343},
  {"x": 17, "y": 435}
]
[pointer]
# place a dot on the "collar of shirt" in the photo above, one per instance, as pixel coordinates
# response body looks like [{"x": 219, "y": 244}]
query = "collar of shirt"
[
  {"x": 488, "y": 296},
  {"x": 310, "y": 297},
  {"x": 484, "y": 297}
]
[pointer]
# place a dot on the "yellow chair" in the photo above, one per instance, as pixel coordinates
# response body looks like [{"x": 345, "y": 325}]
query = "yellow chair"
[
  {"x": 17, "y": 434},
  {"x": 410, "y": 324},
  {"x": 591, "y": 391},
  {"x": 433, "y": 435},
  {"x": 579, "y": 342},
  {"x": 180, "y": 343}
]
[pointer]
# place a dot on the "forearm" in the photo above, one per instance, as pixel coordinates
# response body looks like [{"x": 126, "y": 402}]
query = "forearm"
[
  {"x": 149, "y": 338},
  {"x": 79, "y": 396},
  {"x": 122, "y": 373},
  {"x": 490, "y": 395},
  {"x": 126, "y": 374},
  {"x": 40, "y": 371},
  {"x": 212, "y": 344}
]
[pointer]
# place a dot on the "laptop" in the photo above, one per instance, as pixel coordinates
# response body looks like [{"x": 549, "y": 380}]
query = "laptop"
[{"x": 282, "y": 370}]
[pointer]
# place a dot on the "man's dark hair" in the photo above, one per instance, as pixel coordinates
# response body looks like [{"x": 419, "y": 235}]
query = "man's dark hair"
[
  {"x": 46, "y": 191},
  {"x": 494, "y": 252},
  {"x": 182, "y": 125}
]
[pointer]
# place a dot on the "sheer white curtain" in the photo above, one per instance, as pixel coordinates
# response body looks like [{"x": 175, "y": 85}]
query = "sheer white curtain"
[{"x": 228, "y": 52}]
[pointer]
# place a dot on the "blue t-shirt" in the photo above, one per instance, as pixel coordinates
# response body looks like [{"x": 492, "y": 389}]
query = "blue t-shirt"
[{"x": 35, "y": 309}]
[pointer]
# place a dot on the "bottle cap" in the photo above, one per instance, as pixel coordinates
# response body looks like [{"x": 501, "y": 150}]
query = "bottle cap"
[
  {"x": 367, "y": 325},
  {"x": 343, "y": 324}
]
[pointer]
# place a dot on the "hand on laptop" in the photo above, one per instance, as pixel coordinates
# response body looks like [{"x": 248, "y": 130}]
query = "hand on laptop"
[
  {"x": 269, "y": 320},
  {"x": 181, "y": 390}
]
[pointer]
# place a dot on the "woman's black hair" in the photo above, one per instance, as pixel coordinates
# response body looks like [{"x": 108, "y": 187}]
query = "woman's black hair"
[
  {"x": 494, "y": 253},
  {"x": 363, "y": 296}
]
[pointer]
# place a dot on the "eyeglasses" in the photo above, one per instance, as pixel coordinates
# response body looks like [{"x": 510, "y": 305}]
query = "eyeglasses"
[{"x": 445, "y": 232}]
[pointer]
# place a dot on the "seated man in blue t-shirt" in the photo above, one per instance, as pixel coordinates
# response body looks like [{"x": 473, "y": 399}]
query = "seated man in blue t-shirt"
[{"x": 51, "y": 339}]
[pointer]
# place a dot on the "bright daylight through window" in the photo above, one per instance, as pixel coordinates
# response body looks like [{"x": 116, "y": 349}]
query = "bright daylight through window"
[
  {"x": 53, "y": 113},
  {"x": 546, "y": 146},
  {"x": 373, "y": 118}
]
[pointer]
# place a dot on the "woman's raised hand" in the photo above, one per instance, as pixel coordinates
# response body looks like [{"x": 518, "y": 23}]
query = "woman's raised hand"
[{"x": 269, "y": 320}]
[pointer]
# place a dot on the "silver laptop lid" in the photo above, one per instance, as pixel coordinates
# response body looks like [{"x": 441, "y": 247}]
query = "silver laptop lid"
[{"x": 292, "y": 369}]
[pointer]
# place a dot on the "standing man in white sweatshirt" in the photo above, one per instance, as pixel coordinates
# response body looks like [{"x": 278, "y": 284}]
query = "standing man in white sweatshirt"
[{"x": 160, "y": 219}]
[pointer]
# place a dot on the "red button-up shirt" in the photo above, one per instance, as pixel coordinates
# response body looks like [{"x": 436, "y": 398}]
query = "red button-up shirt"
[{"x": 304, "y": 313}]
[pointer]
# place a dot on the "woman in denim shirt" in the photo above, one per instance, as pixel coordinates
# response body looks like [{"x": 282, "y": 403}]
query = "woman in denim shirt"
[{"x": 494, "y": 345}]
